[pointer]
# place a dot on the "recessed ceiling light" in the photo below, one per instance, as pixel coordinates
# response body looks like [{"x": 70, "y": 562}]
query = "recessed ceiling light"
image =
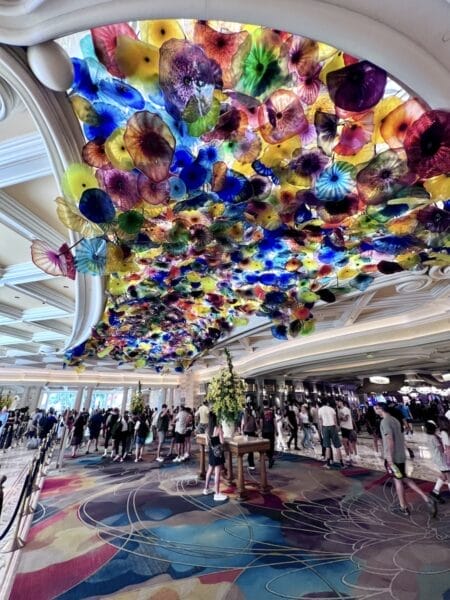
[
  {"x": 66, "y": 286},
  {"x": 17, "y": 297}
]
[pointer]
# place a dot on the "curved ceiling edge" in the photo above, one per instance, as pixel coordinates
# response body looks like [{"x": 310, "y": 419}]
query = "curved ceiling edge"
[
  {"x": 63, "y": 139},
  {"x": 391, "y": 332},
  {"x": 374, "y": 39}
]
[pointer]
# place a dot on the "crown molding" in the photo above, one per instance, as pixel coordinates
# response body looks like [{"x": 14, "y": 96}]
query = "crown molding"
[
  {"x": 17, "y": 217},
  {"x": 63, "y": 139},
  {"x": 41, "y": 292},
  {"x": 23, "y": 158},
  {"x": 21, "y": 273}
]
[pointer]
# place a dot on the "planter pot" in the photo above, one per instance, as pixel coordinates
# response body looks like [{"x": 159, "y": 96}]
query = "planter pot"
[{"x": 228, "y": 428}]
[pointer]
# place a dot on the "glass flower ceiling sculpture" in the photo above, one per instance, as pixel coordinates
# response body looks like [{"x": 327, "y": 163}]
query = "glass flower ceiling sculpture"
[{"x": 233, "y": 170}]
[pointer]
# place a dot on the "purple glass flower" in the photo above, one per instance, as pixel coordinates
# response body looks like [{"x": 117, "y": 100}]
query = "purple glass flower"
[{"x": 357, "y": 87}]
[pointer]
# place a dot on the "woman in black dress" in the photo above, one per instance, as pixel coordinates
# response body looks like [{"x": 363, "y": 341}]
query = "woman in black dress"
[{"x": 216, "y": 458}]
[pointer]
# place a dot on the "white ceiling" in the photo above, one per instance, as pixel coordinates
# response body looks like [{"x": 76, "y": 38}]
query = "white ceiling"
[{"x": 401, "y": 324}]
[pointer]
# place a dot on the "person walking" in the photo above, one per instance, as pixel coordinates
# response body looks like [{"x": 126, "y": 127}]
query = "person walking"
[
  {"x": 181, "y": 421},
  {"x": 330, "y": 435},
  {"x": 305, "y": 418},
  {"x": 279, "y": 423},
  {"x": 248, "y": 428},
  {"x": 216, "y": 457},
  {"x": 438, "y": 456},
  {"x": 395, "y": 459},
  {"x": 348, "y": 432},
  {"x": 267, "y": 427},
  {"x": 293, "y": 427},
  {"x": 110, "y": 424}
]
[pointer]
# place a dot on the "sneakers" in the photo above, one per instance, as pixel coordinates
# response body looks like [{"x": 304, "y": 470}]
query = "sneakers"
[
  {"x": 326, "y": 466},
  {"x": 207, "y": 492},
  {"x": 251, "y": 468},
  {"x": 432, "y": 507},
  {"x": 136, "y": 460},
  {"x": 177, "y": 459},
  {"x": 404, "y": 511},
  {"x": 220, "y": 497},
  {"x": 186, "y": 456},
  {"x": 159, "y": 459},
  {"x": 437, "y": 497}
]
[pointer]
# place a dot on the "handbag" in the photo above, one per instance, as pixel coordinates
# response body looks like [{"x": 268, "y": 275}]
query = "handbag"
[{"x": 217, "y": 450}]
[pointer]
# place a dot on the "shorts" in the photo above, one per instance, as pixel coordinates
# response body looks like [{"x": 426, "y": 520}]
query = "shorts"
[
  {"x": 94, "y": 435},
  {"x": 161, "y": 436},
  {"x": 140, "y": 441},
  {"x": 346, "y": 433},
  {"x": 179, "y": 437},
  {"x": 188, "y": 433},
  {"x": 330, "y": 436}
]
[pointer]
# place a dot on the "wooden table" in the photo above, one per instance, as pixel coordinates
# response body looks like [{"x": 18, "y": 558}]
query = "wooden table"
[{"x": 238, "y": 447}]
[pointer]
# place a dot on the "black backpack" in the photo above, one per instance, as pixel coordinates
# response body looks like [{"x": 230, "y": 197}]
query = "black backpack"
[{"x": 268, "y": 421}]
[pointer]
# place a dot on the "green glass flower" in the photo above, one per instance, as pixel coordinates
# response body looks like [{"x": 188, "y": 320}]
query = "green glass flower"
[{"x": 260, "y": 71}]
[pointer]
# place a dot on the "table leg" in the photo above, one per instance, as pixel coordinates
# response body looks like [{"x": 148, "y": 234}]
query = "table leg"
[
  {"x": 240, "y": 478},
  {"x": 202, "y": 473},
  {"x": 264, "y": 487},
  {"x": 229, "y": 468}
]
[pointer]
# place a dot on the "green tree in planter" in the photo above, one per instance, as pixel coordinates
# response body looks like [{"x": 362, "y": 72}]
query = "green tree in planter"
[
  {"x": 226, "y": 392},
  {"x": 137, "y": 402}
]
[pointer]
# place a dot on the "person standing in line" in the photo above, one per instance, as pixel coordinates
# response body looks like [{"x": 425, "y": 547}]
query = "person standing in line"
[
  {"x": 293, "y": 427},
  {"x": 202, "y": 415},
  {"x": 119, "y": 435},
  {"x": 181, "y": 421},
  {"x": 188, "y": 432},
  {"x": 249, "y": 427},
  {"x": 330, "y": 435},
  {"x": 110, "y": 423},
  {"x": 267, "y": 427},
  {"x": 347, "y": 430},
  {"x": 395, "y": 458},
  {"x": 141, "y": 430},
  {"x": 216, "y": 457},
  {"x": 162, "y": 427},
  {"x": 94, "y": 426},
  {"x": 438, "y": 456},
  {"x": 77, "y": 436}
]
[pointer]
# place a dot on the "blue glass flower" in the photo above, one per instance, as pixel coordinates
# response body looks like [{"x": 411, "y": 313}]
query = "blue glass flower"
[
  {"x": 109, "y": 118},
  {"x": 335, "y": 181},
  {"x": 121, "y": 93},
  {"x": 91, "y": 256},
  {"x": 97, "y": 206}
]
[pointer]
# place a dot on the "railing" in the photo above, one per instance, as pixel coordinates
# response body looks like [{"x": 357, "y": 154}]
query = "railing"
[{"x": 25, "y": 505}]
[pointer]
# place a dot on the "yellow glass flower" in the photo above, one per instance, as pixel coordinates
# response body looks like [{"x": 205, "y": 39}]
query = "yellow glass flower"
[
  {"x": 77, "y": 179},
  {"x": 138, "y": 61},
  {"x": 116, "y": 151},
  {"x": 158, "y": 32},
  {"x": 438, "y": 187}
]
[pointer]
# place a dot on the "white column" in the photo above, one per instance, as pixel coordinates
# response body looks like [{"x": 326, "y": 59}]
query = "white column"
[
  {"x": 88, "y": 399},
  {"x": 24, "y": 400},
  {"x": 123, "y": 407},
  {"x": 79, "y": 398},
  {"x": 170, "y": 398}
]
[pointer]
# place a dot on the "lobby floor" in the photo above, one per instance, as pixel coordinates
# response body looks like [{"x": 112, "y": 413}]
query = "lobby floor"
[{"x": 146, "y": 532}]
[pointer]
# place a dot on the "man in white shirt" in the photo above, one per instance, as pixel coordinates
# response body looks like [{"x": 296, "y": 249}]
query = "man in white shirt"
[
  {"x": 181, "y": 421},
  {"x": 330, "y": 435},
  {"x": 202, "y": 414},
  {"x": 347, "y": 431}
]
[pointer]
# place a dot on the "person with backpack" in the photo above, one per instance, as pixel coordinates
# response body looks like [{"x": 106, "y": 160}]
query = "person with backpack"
[
  {"x": 267, "y": 426},
  {"x": 141, "y": 430},
  {"x": 110, "y": 424},
  {"x": 248, "y": 428}
]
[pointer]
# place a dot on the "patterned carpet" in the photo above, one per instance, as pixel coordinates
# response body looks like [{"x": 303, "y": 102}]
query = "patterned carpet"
[{"x": 146, "y": 532}]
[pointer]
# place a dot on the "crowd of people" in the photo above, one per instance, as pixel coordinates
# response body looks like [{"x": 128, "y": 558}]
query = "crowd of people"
[{"x": 329, "y": 429}]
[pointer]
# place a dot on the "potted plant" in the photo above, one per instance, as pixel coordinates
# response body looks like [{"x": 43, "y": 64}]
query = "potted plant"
[
  {"x": 137, "y": 402},
  {"x": 226, "y": 396}
]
